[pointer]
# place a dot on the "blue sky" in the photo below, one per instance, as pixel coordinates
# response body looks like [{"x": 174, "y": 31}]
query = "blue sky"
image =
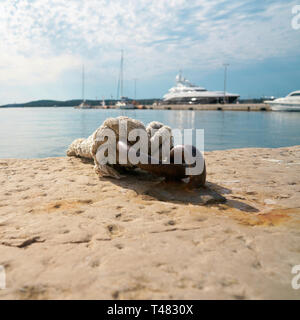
[{"x": 45, "y": 42}]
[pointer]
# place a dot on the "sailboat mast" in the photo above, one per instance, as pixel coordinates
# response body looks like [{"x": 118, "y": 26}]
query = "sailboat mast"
[
  {"x": 83, "y": 82},
  {"x": 122, "y": 63}
]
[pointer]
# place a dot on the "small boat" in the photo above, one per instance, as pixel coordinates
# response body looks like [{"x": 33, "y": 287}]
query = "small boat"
[
  {"x": 289, "y": 103},
  {"x": 103, "y": 105},
  {"x": 124, "y": 103},
  {"x": 84, "y": 105}
]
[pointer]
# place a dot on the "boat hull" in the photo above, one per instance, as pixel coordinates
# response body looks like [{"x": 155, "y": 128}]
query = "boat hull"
[
  {"x": 126, "y": 107},
  {"x": 284, "y": 107},
  {"x": 200, "y": 100}
]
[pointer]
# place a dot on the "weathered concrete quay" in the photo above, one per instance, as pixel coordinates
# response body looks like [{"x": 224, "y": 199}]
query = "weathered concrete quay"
[
  {"x": 222, "y": 107},
  {"x": 217, "y": 107}
]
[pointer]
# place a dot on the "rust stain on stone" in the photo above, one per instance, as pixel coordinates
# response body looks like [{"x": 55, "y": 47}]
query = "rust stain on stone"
[
  {"x": 272, "y": 218},
  {"x": 267, "y": 219},
  {"x": 62, "y": 205}
]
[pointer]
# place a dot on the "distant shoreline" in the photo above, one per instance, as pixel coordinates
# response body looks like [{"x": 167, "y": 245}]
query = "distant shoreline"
[
  {"x": 98, "y": 103},
  {"x": 195, "y": 107},
  {"x": 70, "y": 103}
]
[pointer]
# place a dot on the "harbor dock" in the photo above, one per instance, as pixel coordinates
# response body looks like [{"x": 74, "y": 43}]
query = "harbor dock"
[
  {"x": 220, "y": 107},
  {"x": 216, "y": 107}
]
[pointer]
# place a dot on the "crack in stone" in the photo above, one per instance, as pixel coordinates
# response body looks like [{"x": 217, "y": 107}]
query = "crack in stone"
[
  {"x": 176, "y": 229},
  {"x": 24, "y": 244}
]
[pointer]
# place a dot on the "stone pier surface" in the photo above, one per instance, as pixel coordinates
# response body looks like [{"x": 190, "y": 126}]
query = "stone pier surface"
[
  {"x": 219, "y": 107},
  {"x": 215, "y": 107},
  {"x": 65, "y": 233}
]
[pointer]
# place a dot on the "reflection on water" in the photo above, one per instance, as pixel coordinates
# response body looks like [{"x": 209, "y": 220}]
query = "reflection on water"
[{"x": 47, "y": 132}]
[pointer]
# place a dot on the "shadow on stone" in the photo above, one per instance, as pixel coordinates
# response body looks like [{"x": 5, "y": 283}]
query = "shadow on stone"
[
  {"x": 241, "y": 206},
  {"x": 178, "y": 192},
  {"x": 156, "y": 188}
]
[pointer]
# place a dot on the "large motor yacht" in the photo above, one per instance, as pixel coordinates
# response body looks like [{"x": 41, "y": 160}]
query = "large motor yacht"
[
  {"x": 186, "y": 92},
  {"x": 289, "y": 103}
]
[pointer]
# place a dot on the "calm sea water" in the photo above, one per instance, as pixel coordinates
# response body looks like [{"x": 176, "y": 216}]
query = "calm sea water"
[{"x": 47, "y": 132}]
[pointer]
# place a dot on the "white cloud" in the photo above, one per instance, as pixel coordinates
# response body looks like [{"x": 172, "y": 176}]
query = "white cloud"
[
  {"x": 42, "y": 39},
  {"x": 34, "y": 69}
]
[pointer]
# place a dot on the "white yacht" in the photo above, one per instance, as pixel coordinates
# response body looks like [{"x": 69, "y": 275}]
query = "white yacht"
[
  {"x": 84, "y": 105},
  {"x": 186, "y": 92},
  {"x": 124, "y": 104},
  {"x": 289, "y": 103}
]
